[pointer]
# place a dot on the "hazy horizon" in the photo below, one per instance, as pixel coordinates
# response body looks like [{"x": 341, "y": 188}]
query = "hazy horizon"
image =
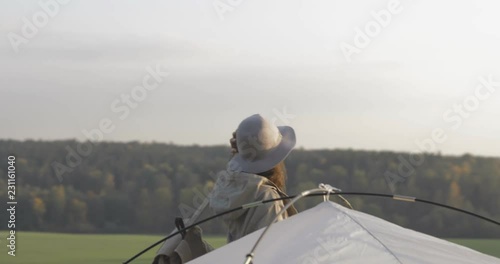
[{"x": 228, "y": 147}]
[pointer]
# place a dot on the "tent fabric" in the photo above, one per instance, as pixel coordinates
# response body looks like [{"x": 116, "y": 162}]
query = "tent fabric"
[{"x": 330, "y": 233}]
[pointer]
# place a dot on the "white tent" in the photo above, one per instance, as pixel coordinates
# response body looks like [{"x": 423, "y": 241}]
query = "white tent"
[{"x": 330, "y": 233}]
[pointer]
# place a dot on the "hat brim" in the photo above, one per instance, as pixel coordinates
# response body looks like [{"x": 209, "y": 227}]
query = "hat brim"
[{"x": 275, "y": 156}]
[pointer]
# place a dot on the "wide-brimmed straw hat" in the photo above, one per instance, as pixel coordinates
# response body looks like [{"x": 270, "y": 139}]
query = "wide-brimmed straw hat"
[{"x": 261, "y": 145}]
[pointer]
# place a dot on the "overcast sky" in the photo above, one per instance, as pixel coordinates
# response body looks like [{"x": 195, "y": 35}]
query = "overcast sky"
[{"x": 228, "y": 59}]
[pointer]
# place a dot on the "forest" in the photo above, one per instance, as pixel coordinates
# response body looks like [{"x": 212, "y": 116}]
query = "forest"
[{"x": 137, "y": 187}]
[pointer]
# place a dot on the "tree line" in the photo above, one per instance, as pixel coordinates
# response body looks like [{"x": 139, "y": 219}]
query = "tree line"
[{"x": 139, "y": 187}]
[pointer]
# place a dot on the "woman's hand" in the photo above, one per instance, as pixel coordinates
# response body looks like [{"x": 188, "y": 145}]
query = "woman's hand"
[{"x": 232, "y": 141}]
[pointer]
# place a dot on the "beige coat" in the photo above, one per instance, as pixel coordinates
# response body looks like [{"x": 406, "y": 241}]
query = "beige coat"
[{"x": 233, "y": 189}]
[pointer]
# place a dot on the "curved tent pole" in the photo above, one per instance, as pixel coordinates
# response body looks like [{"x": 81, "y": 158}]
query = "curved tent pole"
[{"x": 325, "y": 192}]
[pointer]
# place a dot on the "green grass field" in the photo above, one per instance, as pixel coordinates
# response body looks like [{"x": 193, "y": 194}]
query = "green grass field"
[
  {"x": 75, "y": 249},
  {"x": 487, "y": 246}
]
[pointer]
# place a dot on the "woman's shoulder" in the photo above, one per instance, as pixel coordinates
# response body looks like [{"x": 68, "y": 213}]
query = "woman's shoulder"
[
  {"x": 236, "y": 188},
  {"x": 237, "y": 178},
  {"x": 267, "y": 190}
]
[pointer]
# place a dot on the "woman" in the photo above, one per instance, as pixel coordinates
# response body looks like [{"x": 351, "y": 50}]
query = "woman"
[{"x": 255, "y": 172}]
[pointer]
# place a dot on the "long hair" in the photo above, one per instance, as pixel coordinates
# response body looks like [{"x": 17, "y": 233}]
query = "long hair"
[{"x": 277, "y": 175}]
